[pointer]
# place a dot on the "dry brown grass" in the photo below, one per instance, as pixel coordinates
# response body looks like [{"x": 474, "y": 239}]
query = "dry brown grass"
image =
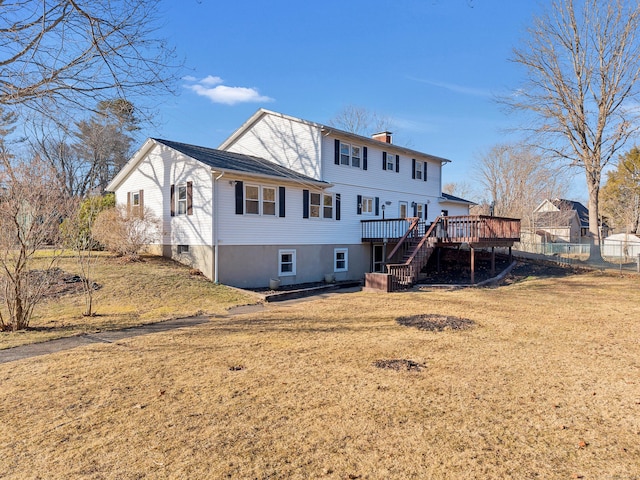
[
  {"x": 135, "y": 293},
  {"x": 546, "y": 385}
]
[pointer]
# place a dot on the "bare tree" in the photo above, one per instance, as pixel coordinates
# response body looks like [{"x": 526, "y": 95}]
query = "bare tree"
[
  {"x": 516, "y": 179},
  {"x": 583, "y": 63},
  {"x": 459, "y": 189},
  {"x": 30, "y": 212},
  {"x": 359, "y": 120},
  {"x": 76, "y": 232},
  {"x": 70, "y": 53},
  {"x": 88, "y": 157}
]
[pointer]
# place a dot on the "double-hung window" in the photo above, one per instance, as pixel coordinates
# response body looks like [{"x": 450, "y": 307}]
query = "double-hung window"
[
  {"x": 340, "y": 259},
  {"x": 259, "y": 200},
  {"x": 314, "y": 205},
  {"x": 390, "y": 159},
  {"x": 367, "y": 205},
  {"x": 327, "y": 206},
  {"x": 419, "y": 170},
  {"x": 350, "y": 155},
  {"x": 252, "y": 200},
  {"x": 182, "y": 199},
  {"x": 268, "y": 201},
  {"x": 419, "y": 212}
]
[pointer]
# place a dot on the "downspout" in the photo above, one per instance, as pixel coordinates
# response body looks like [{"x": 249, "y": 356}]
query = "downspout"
[{"x": 215, "y": 224}]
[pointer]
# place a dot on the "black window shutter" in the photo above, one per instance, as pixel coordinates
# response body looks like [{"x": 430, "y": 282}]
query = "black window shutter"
[
  {"x": 239, "y": 198},
  {"x": 384, "y": 160},
  {"x": 377, "y": 206},
  {"x": 336, "y": 148},
  {"x": 305, "y": 203},
  {"x": 413, "y": 168},
  {"x": 397, "y": 163},
  {"x": 189, "y": 198},
  {"x": 337, "y": 206},
  {"x": 281, "y": 201},
  {"x": 173, "y": 200},
  {"x": 424, "y": 171},
  {"x": 415, "y": 209},
  {"x": 364, "y": 158},
  {"x": 359, "y": 204},
  {"x": 426, "y": 211},
  {"x": 141, "y": 194}
]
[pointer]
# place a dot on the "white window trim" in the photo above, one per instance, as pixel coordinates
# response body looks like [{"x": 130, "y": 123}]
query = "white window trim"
[
  {"x": 291, "y": 252},
  {"x": 335, "y": 259},
  {"x": 260, "y": 200},
  {"x": 391, "y": 162},
  {"x": 333, "y": 205},
  {"x": 185, "y": 200},
  {"x": 351, "y": 156},
  {"x": 364, "y": 202},
  {"x": 419, "y": 171},
  {"x": 135, "y": 199}
]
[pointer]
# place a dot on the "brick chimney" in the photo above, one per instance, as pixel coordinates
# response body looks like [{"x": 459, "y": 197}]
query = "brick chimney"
[{"x": 384, "y": 137}]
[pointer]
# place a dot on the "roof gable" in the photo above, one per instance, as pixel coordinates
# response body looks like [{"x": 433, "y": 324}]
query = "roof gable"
[
  {"x": 219, "y": 160},
  {"x": 327, "y": 130}
]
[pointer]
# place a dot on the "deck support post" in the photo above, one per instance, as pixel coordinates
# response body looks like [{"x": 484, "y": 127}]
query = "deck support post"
[
  {"x": 473, "y": 265},
  {"x": 493, "y": 262},
  {"x": 510, "y": 256}
]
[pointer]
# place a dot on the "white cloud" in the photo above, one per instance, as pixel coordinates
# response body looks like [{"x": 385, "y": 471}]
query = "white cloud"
[
  {"x": 212, "y": 87},
  {"x": 210, "y": 80},
  {"x": 189, "y": 78}
]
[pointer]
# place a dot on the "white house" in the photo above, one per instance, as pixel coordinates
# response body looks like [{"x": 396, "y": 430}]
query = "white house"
[{"x": 282, "y": 198}]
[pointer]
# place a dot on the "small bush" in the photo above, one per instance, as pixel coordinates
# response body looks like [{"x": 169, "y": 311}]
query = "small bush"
[{"x": 125, "y": 233}]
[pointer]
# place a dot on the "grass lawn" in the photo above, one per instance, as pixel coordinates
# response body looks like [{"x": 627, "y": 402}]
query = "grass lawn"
[
  {"x": 130, "y": 294},
  {"x": 545, "y": 385}
]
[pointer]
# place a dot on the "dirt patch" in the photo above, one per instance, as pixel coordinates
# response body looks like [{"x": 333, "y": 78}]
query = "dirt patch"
[
  {"x": 436, "y": 323},
  {"x": 58, "y": 283},
  {"x": 399, "y": 365}
]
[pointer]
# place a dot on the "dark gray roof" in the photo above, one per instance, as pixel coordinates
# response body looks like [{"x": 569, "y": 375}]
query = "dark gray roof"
[
  {"x": 236, "y": 162},
  {"x": 568, "y": 205},
  {"x": 453, "y": 198},
  {"x": 554, "y": 219}
]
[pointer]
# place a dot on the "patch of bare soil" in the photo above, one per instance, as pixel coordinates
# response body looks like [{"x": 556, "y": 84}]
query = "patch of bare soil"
[
  {"x": 436, "y": 322},
  {"x": 57, "y": 282},
  {"x": 399, "y": 365}
]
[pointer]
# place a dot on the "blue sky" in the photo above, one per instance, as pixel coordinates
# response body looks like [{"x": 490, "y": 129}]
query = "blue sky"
[{"x": 431, "y": 66}]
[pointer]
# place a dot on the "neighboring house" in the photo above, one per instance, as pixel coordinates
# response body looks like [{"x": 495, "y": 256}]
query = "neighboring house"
[
  {"x": 282, "y": 198},
  {"x": 561, "y": 221}
]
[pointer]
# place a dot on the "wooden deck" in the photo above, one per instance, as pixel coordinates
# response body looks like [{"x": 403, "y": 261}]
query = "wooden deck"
[
  {"x": 415, "y": 241},
  {"x": 476, "y": 230}
]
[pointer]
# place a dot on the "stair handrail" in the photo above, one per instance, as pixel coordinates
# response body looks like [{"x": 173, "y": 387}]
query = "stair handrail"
[
  {"x": 414, "y": 224},
  {"x": 422, "y": 241}
]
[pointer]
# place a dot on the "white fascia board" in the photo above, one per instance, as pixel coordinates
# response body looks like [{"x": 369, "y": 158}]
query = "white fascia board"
[{"x": 272, "y": 178}]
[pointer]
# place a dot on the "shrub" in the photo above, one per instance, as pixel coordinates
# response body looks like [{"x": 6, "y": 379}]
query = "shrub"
[{"x": 124, "y": 233}]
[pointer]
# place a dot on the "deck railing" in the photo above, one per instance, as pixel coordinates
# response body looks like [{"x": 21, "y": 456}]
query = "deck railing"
[
  {"x": 390, "y": 229},
  {"x": 478, "y": 228}
]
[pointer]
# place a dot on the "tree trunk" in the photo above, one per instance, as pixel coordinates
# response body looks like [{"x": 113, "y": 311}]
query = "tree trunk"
[{"x": 595, "y": 255}]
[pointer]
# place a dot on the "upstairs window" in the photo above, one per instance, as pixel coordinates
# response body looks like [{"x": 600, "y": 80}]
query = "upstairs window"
[
  {"x": 350, "y": 155},
  {"x": 252, "y": 200},
  {"x": 418, "y": 170},
  {"x": 390, "y": 159},
  {"x": 327, "y": 206},
  {"x": 314, "y": 205},
  {"x": 268, "y": 201}
]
